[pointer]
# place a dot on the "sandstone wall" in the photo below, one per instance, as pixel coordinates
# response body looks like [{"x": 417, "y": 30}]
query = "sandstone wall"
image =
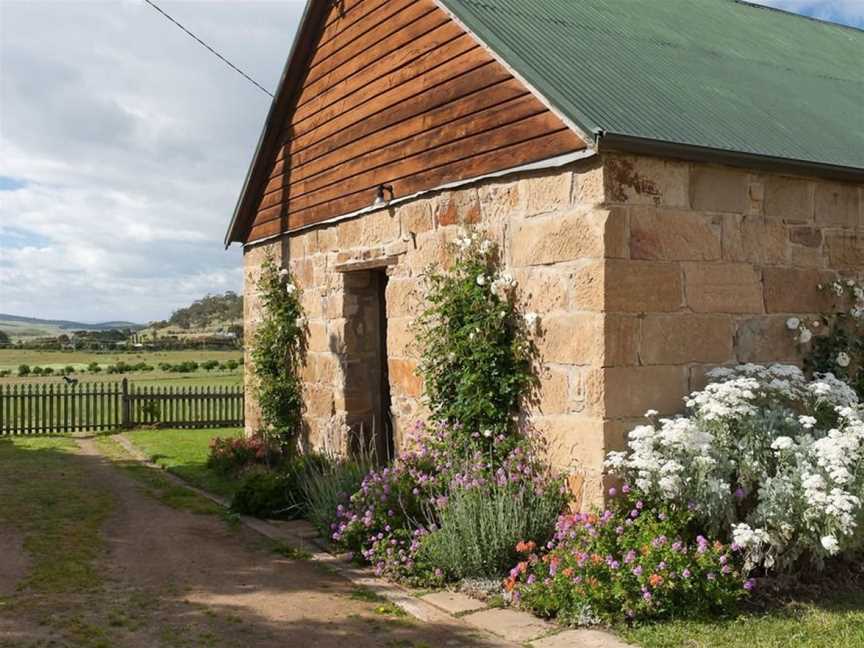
[
  {"x": 645, "y": 273},
  {"x": 714, "y": 262}
]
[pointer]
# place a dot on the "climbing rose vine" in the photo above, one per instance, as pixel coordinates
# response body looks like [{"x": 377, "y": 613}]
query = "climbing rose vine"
[{"x": 277, "y": 353}]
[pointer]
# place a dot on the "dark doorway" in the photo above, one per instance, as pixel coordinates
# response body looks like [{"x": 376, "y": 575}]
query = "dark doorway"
[{"x": 367, "y": 383}]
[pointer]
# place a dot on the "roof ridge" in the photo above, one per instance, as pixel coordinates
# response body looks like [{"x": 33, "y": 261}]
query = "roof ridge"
[{"x": 822, "y": 21}]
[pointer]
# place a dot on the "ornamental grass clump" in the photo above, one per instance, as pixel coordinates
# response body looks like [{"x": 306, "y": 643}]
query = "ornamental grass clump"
[
  {"x": 630, "y": 562},
  {"x": 278, "y": 348},
  {"x": 764, "y": 457}
]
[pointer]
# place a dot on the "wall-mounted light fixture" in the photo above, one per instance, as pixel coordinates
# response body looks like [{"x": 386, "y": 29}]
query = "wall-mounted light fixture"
[{"x": 380, "y": 200}]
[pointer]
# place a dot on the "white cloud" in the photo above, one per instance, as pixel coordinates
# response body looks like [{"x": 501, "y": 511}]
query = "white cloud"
[
  {"x": 132, "y": 143},
  {"x": 847, "y": 12}
]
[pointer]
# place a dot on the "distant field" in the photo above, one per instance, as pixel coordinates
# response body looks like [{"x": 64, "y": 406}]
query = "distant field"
[{"x": 10, "y": 359}]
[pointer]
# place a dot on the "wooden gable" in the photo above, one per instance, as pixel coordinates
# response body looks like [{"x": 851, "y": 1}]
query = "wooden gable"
[{"x": 395, "y": 92}]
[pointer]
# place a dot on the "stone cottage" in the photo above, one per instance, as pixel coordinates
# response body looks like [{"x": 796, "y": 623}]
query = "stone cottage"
[{"x": 669, "y": 182}]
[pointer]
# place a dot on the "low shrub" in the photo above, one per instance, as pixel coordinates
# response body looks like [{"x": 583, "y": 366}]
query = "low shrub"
[
  {"x": 765, "y": 457},
  {"x": 633, "y": 562},
  {"x": 235, "y": 454},
  {"x": 277, "y": 493},
  {"x": 24, "y": 370},
  {"x": 94, "y": 368},
  {"x": 479, "y": 527}
]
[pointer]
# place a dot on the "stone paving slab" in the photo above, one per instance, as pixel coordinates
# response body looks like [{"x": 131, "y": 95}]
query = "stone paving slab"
[
  {"x": 580, "y": 639},
  {"x": 454, "y": 602},
  {"x": 509, "y": 624}
]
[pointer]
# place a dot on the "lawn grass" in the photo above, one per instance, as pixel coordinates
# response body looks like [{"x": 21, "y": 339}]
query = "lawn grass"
[
  {"x": 46, "y": 497},
  {"x": 835, "y": 621},
  {"x": 184, "y": 453}
]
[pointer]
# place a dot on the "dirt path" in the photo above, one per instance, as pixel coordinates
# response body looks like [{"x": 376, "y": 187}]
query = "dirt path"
[{"x": 176, "y": 578}]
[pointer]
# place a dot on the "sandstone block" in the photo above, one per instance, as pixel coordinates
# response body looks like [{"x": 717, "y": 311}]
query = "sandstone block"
[
  {"x": 749, "y": 239},
  {"x": 766, "y": 340},
  {"x": 400, "y": 338},
  {"x": 631, "y": 391},
  {"x": 640, "y": 180},
  {"x": 404, "y": 380},
  {"x": 616, "y": 239},
  {"x": 554, "y": 391},
  {"x": 836, "y": 204},
  {"x": 460, "y": 207},
  {"x": 788, "y": 200},
  {"x": 845, "y": 250},
  {"x": 642, "y": 286},
  {"x": 810, "y": 237},
  {"x": 543, "y": 290},
  {"x": 795, "y": 290},
  {"x": 668, "y": 235},
  {"x": 719, "y": 189},
  {"x": 546, "y": 193},
  {"x": 573, "y": 441},
  {"x": 684, "y": 339},
  {"x": 621, "y": 340},
  {"x": 380, "y": 227},
  {"x": 499, "y": 201},
  {"x": 560, "y": 237},
  {"x": 586, "y": 286},
  {"x": 415, "y": 217},
  {"x": 588, "y": 185},
  {"x": 404, "y": 298},
  {"x": 572, "y": 338},
  {"x": 319, "y": 340},
  {"x": 723, "y": 288}
]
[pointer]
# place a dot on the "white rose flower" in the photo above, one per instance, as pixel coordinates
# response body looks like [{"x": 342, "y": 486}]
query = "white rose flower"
[
  {"x": 290, "y": 288},
  {"x": 830, "y": 544},
  {"x": 481, "y": 280},
  {"x": 487, "y": 433},
  {"x": 793, "y": 323},
  {"x": 806, "y": 336},
  {"x": 283, "y": 272},
  {"x": 843, "y": 359}
]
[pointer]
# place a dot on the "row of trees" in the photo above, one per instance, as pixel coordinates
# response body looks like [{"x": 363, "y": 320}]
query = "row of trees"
[{"x": 190, "y": 366}]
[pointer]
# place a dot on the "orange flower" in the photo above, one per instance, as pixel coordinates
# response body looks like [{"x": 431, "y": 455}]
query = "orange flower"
[
  {"x": 592, "y": 519},
  {"x": 509, "y": 584},
  {"x": 596, "y": 558},
  {"x": 593, "y": 582},
  {"x": 645, "y": 550},
  {"x": 655, "y": 580},
  {"x": 568, "y": 572},
  {"x": 526, "y": 547}
]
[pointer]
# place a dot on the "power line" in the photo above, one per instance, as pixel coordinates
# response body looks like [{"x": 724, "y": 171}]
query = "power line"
[{"x": 212, "y": 51}]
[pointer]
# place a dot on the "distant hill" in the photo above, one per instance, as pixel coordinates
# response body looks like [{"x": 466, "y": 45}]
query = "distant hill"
[
  {"x": 209, "y": 313},
  {"x": 21, "y": 327}
]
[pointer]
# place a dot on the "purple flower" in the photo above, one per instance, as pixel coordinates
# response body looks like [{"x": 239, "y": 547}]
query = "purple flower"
[
  {"x": 625, "y": 488},
  {"x": 647, "y": 596},
  {"x": 619, "y": 530},
  {"x": 634, "y": 513},
  {"x": 640, "y": 505},
  {"x": 613, "y": 492},
  {"x": 637, "y": 570},
  {"x": 739, "y": 493},
  {"x": 686, "y": 573},
  {"x": 749, "y": 584}
]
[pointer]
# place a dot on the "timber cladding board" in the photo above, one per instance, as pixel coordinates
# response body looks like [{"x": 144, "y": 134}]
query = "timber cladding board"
[{"x": 397, "y": 93}]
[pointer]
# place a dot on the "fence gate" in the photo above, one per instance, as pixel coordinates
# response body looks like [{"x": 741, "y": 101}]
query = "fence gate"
[{"x": 96, "y": 407}]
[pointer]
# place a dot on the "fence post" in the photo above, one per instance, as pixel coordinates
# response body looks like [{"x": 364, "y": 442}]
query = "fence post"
[{"x": 125, "y": 409}]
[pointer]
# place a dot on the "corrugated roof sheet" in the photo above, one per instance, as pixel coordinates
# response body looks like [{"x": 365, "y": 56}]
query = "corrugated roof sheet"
[{"x": 719, "y": 74}]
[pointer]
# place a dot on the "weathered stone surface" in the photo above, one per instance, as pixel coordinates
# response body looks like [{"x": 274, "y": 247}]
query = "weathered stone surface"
[
  {"x": 544, "y": 290},
  {"x": 515, "y": 626},
  {"x": 582, "y": 638},
  {"x": 499, "y": 200},
  {"x": 639, "y": 180},
  {"x": 403, "y": 377},
  {"x": 589, "y": 185},
  {"x": 415, "y": 217},
  {"x": 404, "y": 298},
  {"x": 845, "y": 250},
  {"x": 795, "y": 290},
  {"x": 621, "y": 340},
  {"x": 684, "y": 338},
  {"x": 400, "y": 338},
  {"x": 719, "y": 189},
  {"x": 723, "y": 288},
  {"x": 631, "y": 391},
  {"x": 749, "y": 239},
  {"x": 587, "y": 286},
  {"x": 766, "y": 339},
  {"x": 836, "y": 204},
  {"x": 574, "y": 442},
  {"x": 454, "y": 603},
  {"x": 572, "y": 338},
  {"x": 561, "y": 237},
  {"x": 669, "y": 235},
  {"x": 642, "y": 286},
  {"x": 788, "y": 200},
  {"x": 810, "y": 237},
  {"x": 542, "y": 194},
  {"x": 616, "y": 238},
  {"x": 554, "y": 391},
  {"x": 459, "y": 207}
]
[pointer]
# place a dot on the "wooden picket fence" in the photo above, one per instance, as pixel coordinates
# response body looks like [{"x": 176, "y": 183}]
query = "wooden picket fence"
[{"x": 96, "y": 407}]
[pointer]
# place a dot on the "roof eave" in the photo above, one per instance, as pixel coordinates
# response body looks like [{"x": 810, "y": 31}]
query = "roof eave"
[
  {"x": 314, "y": 11},
  {"x": 615, "y": 142}
]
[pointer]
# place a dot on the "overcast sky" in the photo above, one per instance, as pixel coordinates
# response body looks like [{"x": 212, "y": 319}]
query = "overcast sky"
[{"x": 124, "y": 144}]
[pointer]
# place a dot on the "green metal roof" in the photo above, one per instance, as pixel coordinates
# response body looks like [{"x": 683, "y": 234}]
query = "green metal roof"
[{"x": 715, "y": 74}]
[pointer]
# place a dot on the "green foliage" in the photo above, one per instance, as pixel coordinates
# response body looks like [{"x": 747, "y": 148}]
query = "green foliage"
[
  {"x": 278, "y": 348},
  {"x": 276, "y": 493},
  {"x": 209, "y": 365},
  {"x": 330, "y": 485},
  {"x": 5, "y": 340},
  {"x": 210, "y": 310},
  {"x": 632, "y": 562},
  {"x": 840, "y": 349},
  {"x": 232, "y": 455},
  {"x": 94, "y": 368},
  {"x": 476, "y": 355},
  {"x": 23, "y": 370},
  {"x": 480, "y": 527}
]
